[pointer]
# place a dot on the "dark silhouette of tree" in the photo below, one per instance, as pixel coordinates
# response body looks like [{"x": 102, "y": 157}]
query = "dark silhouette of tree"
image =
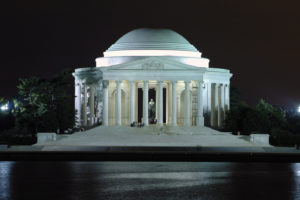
[{"x": 45, "y": 105}]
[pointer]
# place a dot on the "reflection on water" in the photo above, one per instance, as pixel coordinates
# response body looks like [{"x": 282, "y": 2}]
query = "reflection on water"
[
  {"x": 5, "y": 172},
  {"x": 296, "y": 189},
  {"x": 148, "y": 180}
]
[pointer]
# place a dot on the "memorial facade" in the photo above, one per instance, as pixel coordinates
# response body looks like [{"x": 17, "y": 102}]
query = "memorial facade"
[{"x": 152, "y": 76}]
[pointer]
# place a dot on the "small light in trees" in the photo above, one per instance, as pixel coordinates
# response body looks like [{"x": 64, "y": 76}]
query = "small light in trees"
[
  {"x": 298, "y": 109},
  {"x": 4, "y": 107}
]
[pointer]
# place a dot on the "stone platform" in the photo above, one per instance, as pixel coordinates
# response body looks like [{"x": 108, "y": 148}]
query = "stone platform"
[{"x": 152, "y": 136}]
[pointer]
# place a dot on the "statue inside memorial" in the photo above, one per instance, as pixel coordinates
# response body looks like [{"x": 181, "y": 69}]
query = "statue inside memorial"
[{"x": 152, "y": 112}]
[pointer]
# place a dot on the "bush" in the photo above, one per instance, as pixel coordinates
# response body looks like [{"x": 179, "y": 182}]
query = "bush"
[
  {"x": 255, "y": 121},
  {"x": 17, "y": 136},
  {"x": 262, "y": 118},
  {"x": 234, "y": 118}
]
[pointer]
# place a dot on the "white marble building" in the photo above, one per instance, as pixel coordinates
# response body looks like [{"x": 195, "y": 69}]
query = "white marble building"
[{"x": 183, "y": 88}]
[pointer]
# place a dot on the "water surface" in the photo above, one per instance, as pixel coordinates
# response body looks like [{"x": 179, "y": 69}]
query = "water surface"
[{"x": 149, "y": 180}]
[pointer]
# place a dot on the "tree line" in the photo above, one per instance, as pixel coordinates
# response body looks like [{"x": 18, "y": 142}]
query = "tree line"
[{"x": 283, "y": 126}]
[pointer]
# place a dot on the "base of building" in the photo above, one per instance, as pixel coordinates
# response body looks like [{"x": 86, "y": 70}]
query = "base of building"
[{"x": 164, "y": 136}]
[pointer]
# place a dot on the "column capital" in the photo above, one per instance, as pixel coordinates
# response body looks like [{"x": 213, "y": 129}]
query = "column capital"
[
  {"x": 77, "y": 79},
  {"x": 145, "y": 85},
  {"x": 160, "y": 81},
  {"x": 173, "y": 82},
  {"x": 201, "y": 82},
  {"x": 105, "y": 83},
  {"x": 118, "y": 82}
]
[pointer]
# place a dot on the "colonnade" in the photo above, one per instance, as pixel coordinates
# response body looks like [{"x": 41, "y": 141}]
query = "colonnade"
[
  {"x": 216, "y": 102},
  {"x": 219, "y": 103},
  {"x": 200, "y": 118}
]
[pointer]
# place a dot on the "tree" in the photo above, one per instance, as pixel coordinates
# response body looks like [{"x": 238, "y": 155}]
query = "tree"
[
  {"x": 235, "y": 117},
  {"x": 255, "y": 121},
  {"x": 263, "y": 118},
  {"x": 235, "y": 96},
  {"x": 44, "y": 105},
  {"x": 34, "y": 102},
  {"x": 6, "y": 118},
  {"x": 293, "y": 119},
  {"x": 273, "y": 115}
]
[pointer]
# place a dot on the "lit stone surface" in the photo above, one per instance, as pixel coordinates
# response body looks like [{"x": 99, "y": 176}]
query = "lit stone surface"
[
  {"x": 143, "y": 60},
  {"x": 179, "y": 136},
  {"x": 45, "y": 137},
  {"x": 262, "y": 139}
]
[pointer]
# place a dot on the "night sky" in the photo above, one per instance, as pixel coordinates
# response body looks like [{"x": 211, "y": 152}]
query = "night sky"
[{"x": 258, "y": 41}]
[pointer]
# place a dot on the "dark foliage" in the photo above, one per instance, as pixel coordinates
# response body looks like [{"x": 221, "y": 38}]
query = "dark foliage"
[
  {"x": 235, "y": 96},
  {"x": 41, "y": 106},
  {"x": 284, "y": 128}
]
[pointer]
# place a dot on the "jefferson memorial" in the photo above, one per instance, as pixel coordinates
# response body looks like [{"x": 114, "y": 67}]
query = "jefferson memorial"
[{"x": 152, "y": 76}]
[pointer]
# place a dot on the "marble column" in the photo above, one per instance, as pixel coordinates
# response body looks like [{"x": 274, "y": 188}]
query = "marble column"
[
  {"x": 209, "y": 103},
  {"x": 213, "y": 104},
  {"x": 156, "y": 101},
  {"x": 78, "y": 101},
  {"x": 132, "y": 101},
  {"x": 118, "y": 103},
  {"x": 227, "y": 97},
  {"x": 216, "y": 105},
  {"x": 84, "y": 115},
  {"x": 187, "y": 104},
  {"x": 221, "y": 106},
  {"x": 160, "y": 103},
  {"x": 105, "y": 84},
  {"x": 145, "y": 103},
  {"x": 174, "y": 111},
  {"x": 200, "y": 118},
  {"x": 92, "y": 105}
]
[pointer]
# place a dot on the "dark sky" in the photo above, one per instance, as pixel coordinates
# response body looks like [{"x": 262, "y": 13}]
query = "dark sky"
[{"x": 258, "y": 41}]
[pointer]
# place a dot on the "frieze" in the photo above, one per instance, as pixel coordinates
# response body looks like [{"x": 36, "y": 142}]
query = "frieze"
[{"x": 152, "y": 65}]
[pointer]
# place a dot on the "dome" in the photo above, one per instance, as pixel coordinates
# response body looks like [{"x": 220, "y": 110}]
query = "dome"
[{"x": 149, "y": 39}]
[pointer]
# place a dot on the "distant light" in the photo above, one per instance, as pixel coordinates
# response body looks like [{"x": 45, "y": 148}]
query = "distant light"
[
  {"x": 4, "y": 107},
  {"x": 298, "y": 109}
]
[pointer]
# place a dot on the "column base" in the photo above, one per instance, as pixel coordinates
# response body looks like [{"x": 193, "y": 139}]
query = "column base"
[
  {"x": 187, "y": 124},
  {"x": 200, "y": 121}
]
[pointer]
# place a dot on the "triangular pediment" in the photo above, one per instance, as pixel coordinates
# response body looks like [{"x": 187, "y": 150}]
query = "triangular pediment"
[{"x": 153, "y": 63}]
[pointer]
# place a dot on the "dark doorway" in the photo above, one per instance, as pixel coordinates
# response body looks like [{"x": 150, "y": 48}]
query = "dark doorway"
[
  {"x": 152, "y": 105},
  {"x": 151, "y": 95}
]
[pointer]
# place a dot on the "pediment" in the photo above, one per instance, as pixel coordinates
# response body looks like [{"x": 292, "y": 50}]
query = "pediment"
[{"x": 152, "y": 64}]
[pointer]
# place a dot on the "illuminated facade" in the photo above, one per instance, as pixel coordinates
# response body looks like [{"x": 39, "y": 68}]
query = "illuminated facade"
[{"x": 149, "y": 76}]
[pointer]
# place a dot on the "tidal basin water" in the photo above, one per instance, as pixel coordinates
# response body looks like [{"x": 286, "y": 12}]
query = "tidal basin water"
[{"x": 149, "y": 180}]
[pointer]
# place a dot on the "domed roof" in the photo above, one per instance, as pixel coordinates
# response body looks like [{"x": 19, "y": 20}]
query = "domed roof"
[{"x": 152, "y": 39}]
